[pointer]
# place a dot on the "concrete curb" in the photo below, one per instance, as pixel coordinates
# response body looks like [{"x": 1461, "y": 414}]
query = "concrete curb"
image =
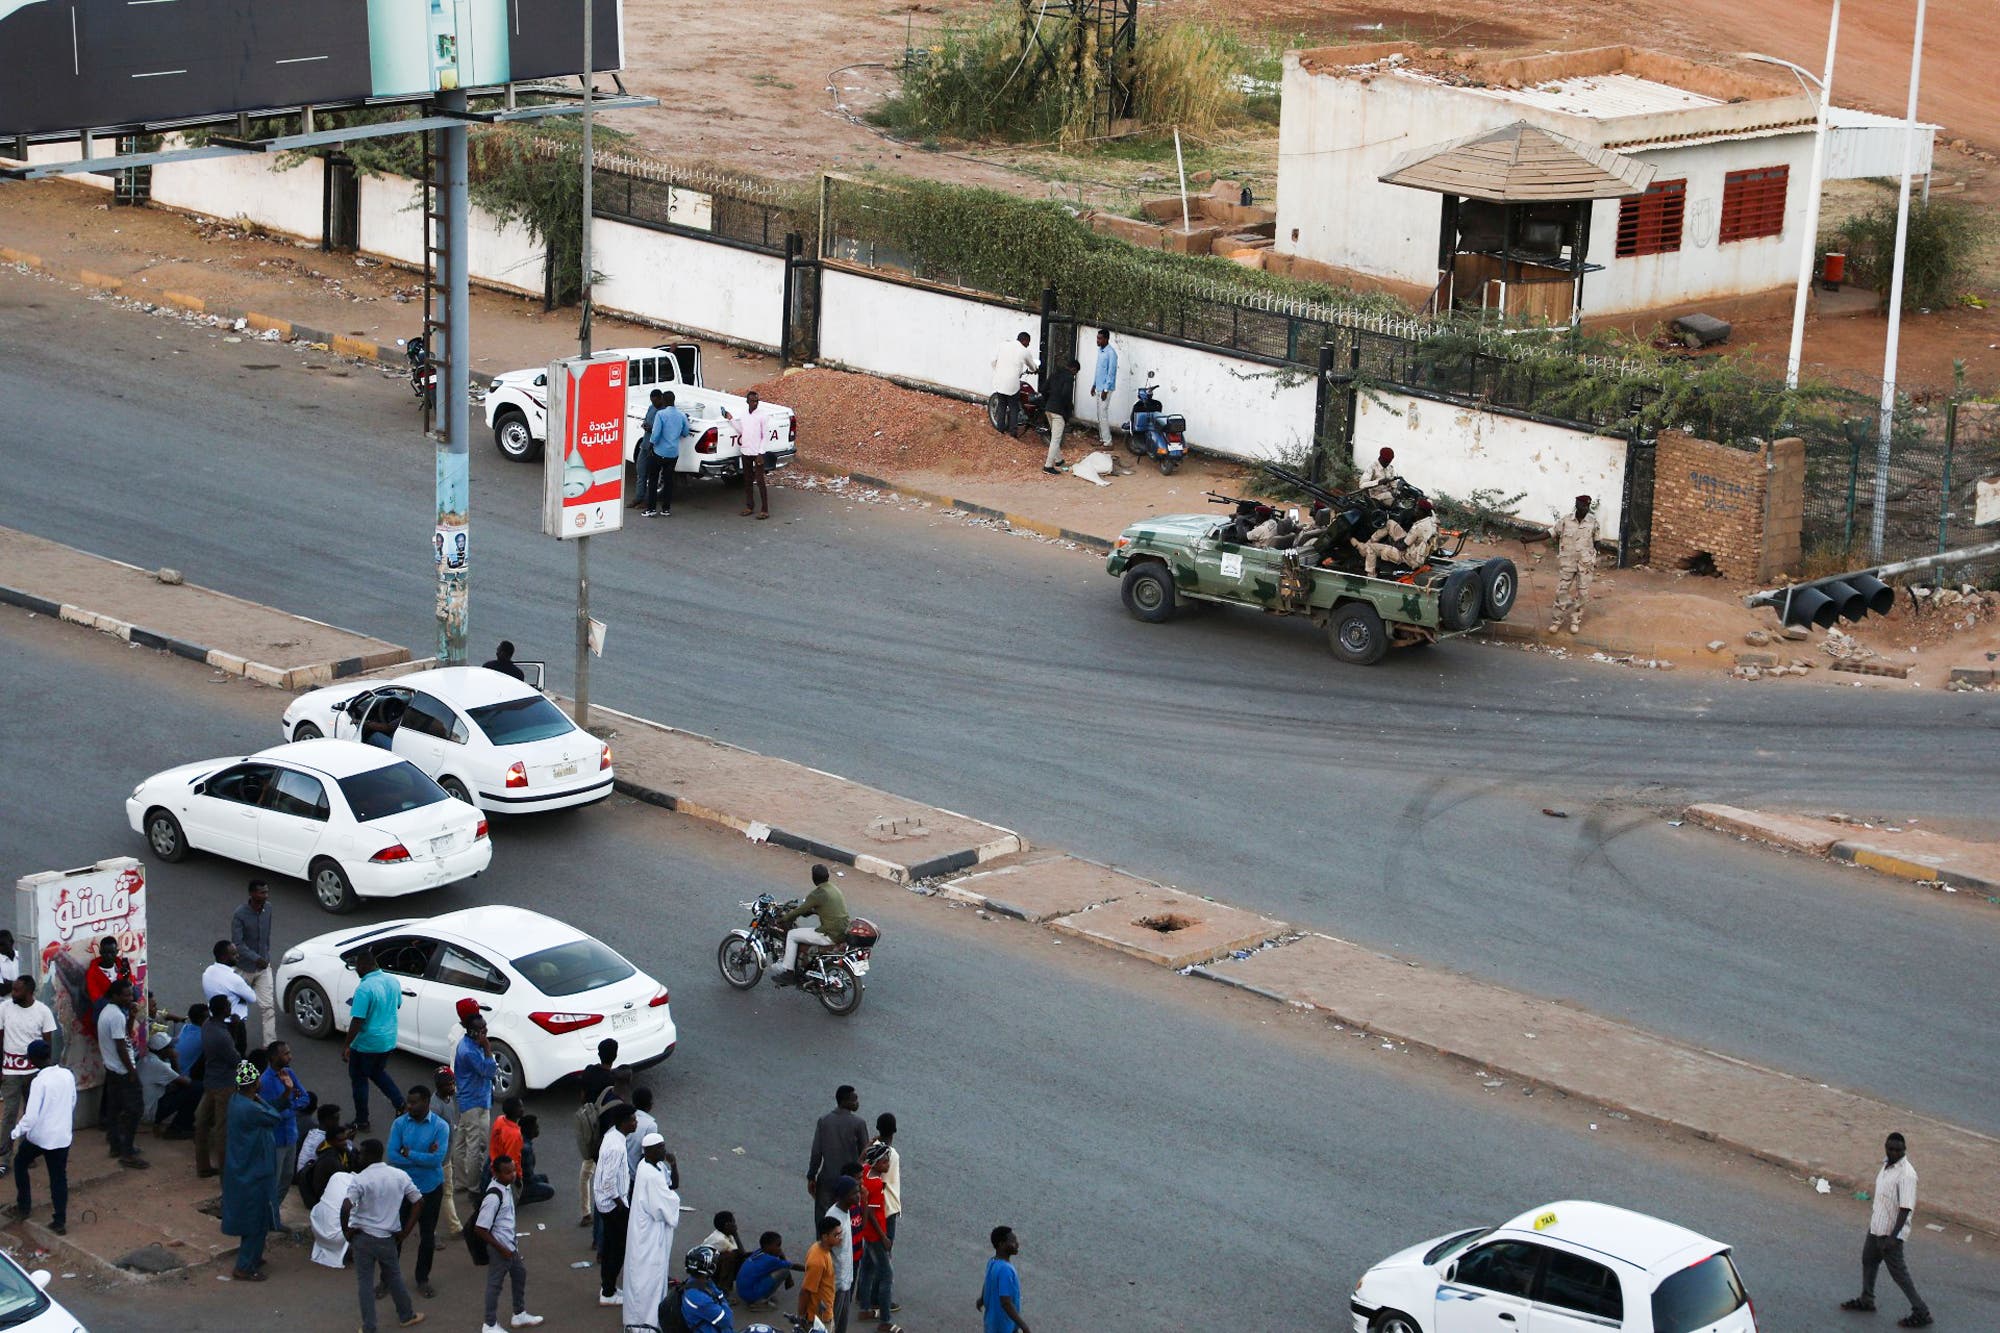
[
  {"x": 1511, "y": 633},
  {"x": 282, "y": 678},
  {"x": 1053, "y": 531},
  {"x": 866, "y": 862},
  {"x": 1793, "y": 836},
  {"x": 287, "y": 330}
]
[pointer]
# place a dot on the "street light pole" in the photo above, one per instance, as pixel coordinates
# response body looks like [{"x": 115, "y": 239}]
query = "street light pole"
[
  {"x": 583, "y": 349},
  {"x": 1879, "y": 522},
  {"x": 1809, "y": 242}
]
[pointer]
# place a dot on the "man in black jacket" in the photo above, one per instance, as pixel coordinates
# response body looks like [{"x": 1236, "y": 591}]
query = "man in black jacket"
[
  {"x": 840, "y": 1137},
  {"x": 1058, "y": 404}
]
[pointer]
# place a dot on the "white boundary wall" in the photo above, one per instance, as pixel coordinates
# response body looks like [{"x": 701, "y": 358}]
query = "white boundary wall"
[
  {"x": 1459, "y": 450},
  {"x": 914, "y": 333},
  {"x": 501, "y": 254},
  {"x": 702, "y": 287},
  {"x": 1242, "y": 409},
  {"x": 247, "y": 186},
  {"x": 69, "y": 151}
]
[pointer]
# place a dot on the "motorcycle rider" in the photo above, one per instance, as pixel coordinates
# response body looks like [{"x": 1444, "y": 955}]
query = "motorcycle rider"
[
  {"x": 829, "y": 908},
  {"x": 703, "y": 1305}
]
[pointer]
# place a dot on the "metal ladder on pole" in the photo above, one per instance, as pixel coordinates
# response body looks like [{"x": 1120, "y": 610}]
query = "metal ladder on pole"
[{"x": 436, "y": 254}]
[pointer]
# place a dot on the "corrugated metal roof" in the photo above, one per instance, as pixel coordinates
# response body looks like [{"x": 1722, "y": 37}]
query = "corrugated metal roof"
[
  {"x": 1518, "y": 163},
  {"x": 1861, "y": 145}
]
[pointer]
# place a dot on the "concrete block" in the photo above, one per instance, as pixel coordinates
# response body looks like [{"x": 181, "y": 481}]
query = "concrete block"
[
  {"x": 1756, "y": 659},
  {"x": 1169, "y": 927},
  {"x": 1973, "y": 675},
  {"x": 1042, "y": 890}
]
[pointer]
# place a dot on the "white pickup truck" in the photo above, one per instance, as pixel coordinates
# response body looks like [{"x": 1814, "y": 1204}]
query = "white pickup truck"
[{"x": 517, "y": 410}]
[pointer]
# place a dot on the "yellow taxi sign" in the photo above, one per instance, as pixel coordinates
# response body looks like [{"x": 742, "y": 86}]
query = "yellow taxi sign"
[{"x": 1545, "y": 1221}]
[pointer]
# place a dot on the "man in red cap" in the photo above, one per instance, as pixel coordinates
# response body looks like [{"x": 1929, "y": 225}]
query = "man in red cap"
[
  {"x": 475, "y": 1069},
  {"x": 1382, "y": 472}
]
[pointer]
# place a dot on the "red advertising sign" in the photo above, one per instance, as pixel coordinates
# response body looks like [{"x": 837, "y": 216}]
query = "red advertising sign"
[{"x": 584, "y": 464}]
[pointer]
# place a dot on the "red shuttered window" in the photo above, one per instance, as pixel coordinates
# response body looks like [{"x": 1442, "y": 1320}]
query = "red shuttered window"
[
  {"x": 1650, "y": 223},
  {"x": 1753, "y": 203}
]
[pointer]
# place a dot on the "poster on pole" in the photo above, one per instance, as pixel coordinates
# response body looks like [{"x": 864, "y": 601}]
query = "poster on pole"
[
  {"x": 1986, "y": 502},
  {"x": 583, "y": 467},
  {"x": 60, "y": 916}
]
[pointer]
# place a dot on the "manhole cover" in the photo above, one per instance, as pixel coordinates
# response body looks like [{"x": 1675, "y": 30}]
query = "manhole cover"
[{"x": 1166, "y": 923}]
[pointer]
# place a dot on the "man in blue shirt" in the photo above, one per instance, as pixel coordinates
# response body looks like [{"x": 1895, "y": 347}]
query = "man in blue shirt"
[
  {"x": 371, "y": 1035},
  {"x": 663, "y": 449},
  {"x": 418, "y": 1142},
  {"x": 279, "y": 1087},
  {"x": 763, "y": 1269},
  {"x": 1000, "y": 1299},
  {"x": 703, "y": 1306},
  {"x": 187, "y": 1042},
  {"x": 473, "y": 1069},
  {"x": 1103, "y": 383}
]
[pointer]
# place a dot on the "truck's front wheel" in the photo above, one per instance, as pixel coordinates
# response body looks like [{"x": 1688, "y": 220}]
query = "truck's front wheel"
[
  {"x": 511, "y": 433},
  {"x": 1357, "y": 634},
  {"x": 1148, "y": 590}
]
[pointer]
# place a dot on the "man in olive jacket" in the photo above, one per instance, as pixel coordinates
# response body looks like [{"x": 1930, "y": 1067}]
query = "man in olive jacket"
[{"x": 825, "y": 903}]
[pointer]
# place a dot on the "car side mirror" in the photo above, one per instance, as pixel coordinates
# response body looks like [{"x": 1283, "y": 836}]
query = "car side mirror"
[
  {"x": 201, "y": 789},
  {"x": 41, "y": 1278},
  {"x": 1451, "y": 1271}
]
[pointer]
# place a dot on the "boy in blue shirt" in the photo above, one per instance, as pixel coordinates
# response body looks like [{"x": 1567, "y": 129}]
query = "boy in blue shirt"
[
  {"x": 1000, "y": 1299},
  {"x": 763, "y": 1269}
]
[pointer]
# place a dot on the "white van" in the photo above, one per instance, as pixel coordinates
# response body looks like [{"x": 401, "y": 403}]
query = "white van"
[{"x": 517, "y": 410}]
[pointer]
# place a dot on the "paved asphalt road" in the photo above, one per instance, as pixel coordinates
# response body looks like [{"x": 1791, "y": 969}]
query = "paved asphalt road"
[
  {"x": 1399, "y": 806},
  {"x": 1174, "y": 1155}
]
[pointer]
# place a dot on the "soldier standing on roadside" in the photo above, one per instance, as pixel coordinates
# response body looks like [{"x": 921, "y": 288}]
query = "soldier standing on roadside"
[{"x": 1576, "y": 560}]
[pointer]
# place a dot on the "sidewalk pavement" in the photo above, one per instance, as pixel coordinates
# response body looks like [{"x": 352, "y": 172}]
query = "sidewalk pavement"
[
  {"x": 1914, "y": 854},
  {"x": 268, "y": 646}
]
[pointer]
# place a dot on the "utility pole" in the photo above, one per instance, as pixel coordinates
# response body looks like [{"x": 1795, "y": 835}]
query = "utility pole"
[
  {"x": 1809, "y": 242},
  {"x": 583, "y": 349},
  {"x": 452, "y": 388},
  {"x": 1880, "y": 519}
]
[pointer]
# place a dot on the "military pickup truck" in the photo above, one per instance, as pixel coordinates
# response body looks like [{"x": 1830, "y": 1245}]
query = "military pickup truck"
[{"x": 1167, "y": 561}]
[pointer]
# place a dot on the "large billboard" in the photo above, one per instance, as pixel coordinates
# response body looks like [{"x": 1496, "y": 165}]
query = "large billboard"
[{"x": 112, "y": 64}]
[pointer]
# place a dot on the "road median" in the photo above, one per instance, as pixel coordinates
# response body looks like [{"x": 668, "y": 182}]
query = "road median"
[{"x": 1897, "y": 850}]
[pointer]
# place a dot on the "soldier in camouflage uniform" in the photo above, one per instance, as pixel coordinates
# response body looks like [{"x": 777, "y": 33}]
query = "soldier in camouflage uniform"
[{"x": 1576, "y": 558}]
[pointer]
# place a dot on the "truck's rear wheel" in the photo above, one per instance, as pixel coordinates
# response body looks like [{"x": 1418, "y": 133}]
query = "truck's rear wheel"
[
  {"x": 1460, "y": 599},
  {"x": 1498, "y": 584},
  {"x": 1357, "y": 634},
  {"x": 1148, "y": 591}
]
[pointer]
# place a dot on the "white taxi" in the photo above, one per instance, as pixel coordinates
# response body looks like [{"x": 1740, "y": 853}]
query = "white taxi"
[{"x": 1569, "y": 1267}]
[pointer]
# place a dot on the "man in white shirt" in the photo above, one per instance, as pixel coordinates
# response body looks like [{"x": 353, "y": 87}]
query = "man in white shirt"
[
  {"x": 123, "y": 1098},
  {"x": 44, "y": 1131},
  {"x": 753, "y": 438},
  {"x": 222, "y": 978},
  {"x": 1013, "y": 363},
  {"x": 373, "y": 1219},
  {"x": 610, "y": 1195},
  {"x": 846, "y": 1193},
  {"x": 23, "y": 1019},
  {"x": 10, "y": 966},
  {"x": 1889, "y": 1210}
]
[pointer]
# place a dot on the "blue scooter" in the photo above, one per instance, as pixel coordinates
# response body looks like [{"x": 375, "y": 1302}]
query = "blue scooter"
[{"x": 1153, "y": 432}]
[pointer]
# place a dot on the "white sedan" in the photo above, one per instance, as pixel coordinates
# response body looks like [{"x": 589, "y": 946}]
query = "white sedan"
[
  {"x": 354, "y": 821},
  {"x": 26, "y": 1306},
  {"x": 1569, "y": 1267},
  {"x": 488, "y": 739},
  {"x": 550, "y": 992}
]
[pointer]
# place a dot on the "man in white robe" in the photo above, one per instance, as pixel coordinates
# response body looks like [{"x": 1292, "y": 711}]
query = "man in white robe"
[{"x": 649, "y": 1243}]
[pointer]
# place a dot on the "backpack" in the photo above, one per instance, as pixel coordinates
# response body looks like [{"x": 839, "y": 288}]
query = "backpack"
[
  {"x": 589, "y": 1132},
  {"x": 475, "y": 1244},
  {"x": 671, "y": 1318}
]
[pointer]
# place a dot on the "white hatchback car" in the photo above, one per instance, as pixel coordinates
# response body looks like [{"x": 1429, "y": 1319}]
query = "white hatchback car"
[
  {"x": 353, "y": 821},
  {"x": 550, "y": 992},
  {"x": 1569, "y": 1267},
  {"x": 490, "y": 740}
]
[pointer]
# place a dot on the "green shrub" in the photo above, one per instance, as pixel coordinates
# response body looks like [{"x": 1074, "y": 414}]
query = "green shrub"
[{"x": 1943, "y": 238}]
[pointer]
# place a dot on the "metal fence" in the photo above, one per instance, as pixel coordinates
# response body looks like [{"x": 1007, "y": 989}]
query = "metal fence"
[{"x": 699, "y": 200}]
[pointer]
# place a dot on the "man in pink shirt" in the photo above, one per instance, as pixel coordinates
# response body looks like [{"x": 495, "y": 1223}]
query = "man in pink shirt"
[{"x": 753, "y": 434}]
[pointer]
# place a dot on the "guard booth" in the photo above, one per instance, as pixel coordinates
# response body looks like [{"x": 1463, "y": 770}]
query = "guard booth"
[{"x": 1514, "y": 225}]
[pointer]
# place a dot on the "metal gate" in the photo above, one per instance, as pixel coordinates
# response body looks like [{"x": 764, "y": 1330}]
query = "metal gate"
[
  {"x": 1333, "y": 411},
  {"x": 340, "y": 221},
  {"x": 800, "y": 332}
]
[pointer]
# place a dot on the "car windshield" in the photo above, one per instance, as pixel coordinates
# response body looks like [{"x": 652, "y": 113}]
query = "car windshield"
[
  {"x": 518, "y": 721},
  {"x": 1452, "y": 1246},
  {"x": 569, "y": 969},
  {"x": 1698, "y": 1296},
  {"x": 389, "y": 791},
  {"x": 20, "y": 1299}
]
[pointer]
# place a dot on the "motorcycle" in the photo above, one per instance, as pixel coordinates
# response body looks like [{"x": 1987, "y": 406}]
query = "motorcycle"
[
  {"x": 423, "y": 373},
  {"x": 1154, "y": 433},
  {"x": 1028, "y": 412},
  {"x": 833, "y": 973}
]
